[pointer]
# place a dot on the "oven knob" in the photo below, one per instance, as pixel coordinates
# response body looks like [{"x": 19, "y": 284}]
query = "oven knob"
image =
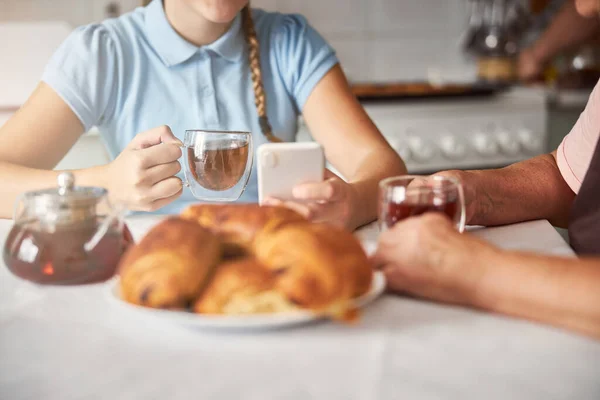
[
  {"x": 453, "y": 148},
  {"x": 531, "y": 142},
  {"x": 420, "y": 149},
  {"x": 485, "y": 145},
  {"x": 401, "y": 147},
  {"x": 508, "y": 143}
]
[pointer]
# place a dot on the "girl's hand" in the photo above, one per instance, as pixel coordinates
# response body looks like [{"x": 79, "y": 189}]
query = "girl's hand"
[
  {"x": 331, "y": 201},
  {"x": 143, "y": 177}
]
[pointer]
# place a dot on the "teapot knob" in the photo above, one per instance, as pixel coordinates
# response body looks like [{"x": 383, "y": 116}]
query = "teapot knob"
[{"x": 66, "y": 181}]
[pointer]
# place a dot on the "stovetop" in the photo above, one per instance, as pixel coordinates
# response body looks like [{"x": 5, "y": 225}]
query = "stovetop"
[{"x": 467, "y": 132}]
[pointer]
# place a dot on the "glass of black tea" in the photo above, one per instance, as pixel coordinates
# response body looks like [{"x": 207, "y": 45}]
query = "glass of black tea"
[
  {"x": 217, "y": 163},
  {"x": 406, "y": 196}
]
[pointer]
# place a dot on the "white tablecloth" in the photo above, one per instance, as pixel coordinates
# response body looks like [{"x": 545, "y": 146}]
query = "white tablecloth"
[{"x": 72, "y": 344}]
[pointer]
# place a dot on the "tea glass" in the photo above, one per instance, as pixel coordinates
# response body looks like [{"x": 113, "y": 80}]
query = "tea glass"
[
  {"x": 405, "y": 196},
  {"x": 217, "y": 163}
]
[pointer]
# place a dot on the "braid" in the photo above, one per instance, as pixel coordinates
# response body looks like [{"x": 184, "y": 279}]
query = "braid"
[{"x": 255, "y": 72}]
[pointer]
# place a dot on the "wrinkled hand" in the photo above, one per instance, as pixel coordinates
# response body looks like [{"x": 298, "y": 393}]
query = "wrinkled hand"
[
  {"x": 142, "y": 177},
  {"x": 331, "y": 201},
  {"x": 472, "y": 199},
  {"x": 425, "y": 256}
]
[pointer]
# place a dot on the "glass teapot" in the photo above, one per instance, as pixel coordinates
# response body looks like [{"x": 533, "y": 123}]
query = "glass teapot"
[{"x": 66, "y": 236}]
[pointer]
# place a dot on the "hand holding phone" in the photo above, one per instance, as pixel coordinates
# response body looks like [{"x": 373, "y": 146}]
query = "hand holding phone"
[
  {"x": 282, "y": 166},
  {"x": 293, "y": 175}
]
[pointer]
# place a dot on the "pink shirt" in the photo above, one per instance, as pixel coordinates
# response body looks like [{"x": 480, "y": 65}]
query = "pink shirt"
[{"x": 575, "y": 152}]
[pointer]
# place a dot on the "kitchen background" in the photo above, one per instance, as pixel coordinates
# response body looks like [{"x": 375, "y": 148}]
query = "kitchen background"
[{"x": 377, "y": 41}]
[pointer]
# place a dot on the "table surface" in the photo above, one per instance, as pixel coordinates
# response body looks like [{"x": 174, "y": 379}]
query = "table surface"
[{"x": 71, "y": 343}]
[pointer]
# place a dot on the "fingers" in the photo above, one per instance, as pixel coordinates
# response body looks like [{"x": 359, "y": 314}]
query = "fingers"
[
  {"x": 330, "y": 190},
  {"x": 398, "y": 281},
  {"x": 159, "y": 154},
  {"x": 391, "y": 242},
  {"x": 165, "y": 188},
  {"x": 303, "y": 209},
  {"x": 329, "y": 174},
  {"x": 156, "y": 204},
  {"x": 163, "y": 171},
  {"x": 152, "y": 137},
  {"x": 331, "y": 213},
  {"x": 380, "y": 257}
]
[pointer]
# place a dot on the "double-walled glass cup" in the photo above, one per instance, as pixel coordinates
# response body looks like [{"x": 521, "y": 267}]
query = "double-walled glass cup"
[{"x": 217, "y": 163}]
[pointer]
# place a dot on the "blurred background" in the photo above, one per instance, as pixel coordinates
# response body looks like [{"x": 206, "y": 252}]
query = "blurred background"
[{"x": 438, "y": 77}]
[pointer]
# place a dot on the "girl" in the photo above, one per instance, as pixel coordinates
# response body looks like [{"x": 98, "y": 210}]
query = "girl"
[{"x": 145, "y": 77}]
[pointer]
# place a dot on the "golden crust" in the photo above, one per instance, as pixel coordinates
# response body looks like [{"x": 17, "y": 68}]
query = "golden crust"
[
  {"x": 169, "y": 266},
  {"x": 268, "y": 259},
  {"x": 239, "y": 224},
  {"x": 242, "y": 287},
  {"x": 319, "y": 267}
]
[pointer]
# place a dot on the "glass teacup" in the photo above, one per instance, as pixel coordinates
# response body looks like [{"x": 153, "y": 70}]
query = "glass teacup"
[
  {"x": 405, "y": 196},
  {"x": 217, "y": 163}
]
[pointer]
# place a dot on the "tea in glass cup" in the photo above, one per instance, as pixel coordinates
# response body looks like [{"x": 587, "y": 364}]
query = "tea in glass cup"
[
  {"x": 410, "y": 195},
  {"x": 217, "y": 163}
]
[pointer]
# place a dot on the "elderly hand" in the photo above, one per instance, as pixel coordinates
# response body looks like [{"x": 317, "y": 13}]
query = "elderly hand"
[
  {"x": 529, "y": 67},
  {"x": 425, "y": 256},
  {"x": 474, "y": 200},
  {"x": 331, "y": 201}
]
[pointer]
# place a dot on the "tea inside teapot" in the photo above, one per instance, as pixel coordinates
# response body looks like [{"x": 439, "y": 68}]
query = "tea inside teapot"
[
  {"x": 59, "y": 236},
  {"x": 59, "y": 257}
]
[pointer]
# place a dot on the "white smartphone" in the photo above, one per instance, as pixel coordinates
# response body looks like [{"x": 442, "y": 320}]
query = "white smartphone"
[{"x": 281, "y": 166}]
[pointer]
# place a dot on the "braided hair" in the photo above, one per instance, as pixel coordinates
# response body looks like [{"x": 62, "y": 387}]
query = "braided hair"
[{"x": 255, "y": 72}]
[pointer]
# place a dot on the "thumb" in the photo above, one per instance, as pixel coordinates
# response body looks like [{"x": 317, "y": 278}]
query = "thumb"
[
  {"x": 379, "y": 258},
  {"x": 329, "y": 174},
  {"x": 152, "y": 137}
]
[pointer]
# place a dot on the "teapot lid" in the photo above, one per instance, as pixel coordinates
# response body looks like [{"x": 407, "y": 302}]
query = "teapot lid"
[{"x": 67, "y": 203}]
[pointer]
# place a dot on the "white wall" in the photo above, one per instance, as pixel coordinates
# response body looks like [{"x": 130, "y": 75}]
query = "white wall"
[
  {"x": 389, "y": 40},
  {"x": 75, "y": 12},
  {"x": 376, "y": 40}
]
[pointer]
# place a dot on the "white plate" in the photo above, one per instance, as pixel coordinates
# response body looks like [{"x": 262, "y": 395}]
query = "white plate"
[{"x": 237, "y": 322}]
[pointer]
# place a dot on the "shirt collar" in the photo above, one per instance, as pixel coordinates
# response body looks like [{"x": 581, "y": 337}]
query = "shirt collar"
[
  {"x": 231, "y": 44},
  {"x": 173, "y": 49}
]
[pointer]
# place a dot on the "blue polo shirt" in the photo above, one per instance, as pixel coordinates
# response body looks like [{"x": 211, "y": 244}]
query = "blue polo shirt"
[{"x": 134, "y": 73}]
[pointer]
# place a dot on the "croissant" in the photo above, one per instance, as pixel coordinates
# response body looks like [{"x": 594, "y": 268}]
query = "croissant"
[
  {"x": 319, "y": 267},
  {"x": 265, "y": 260},
  {"x": 239, "y": 224},
  {"x": 242, "y": 286},
  {"x": 170, "y": 265}
]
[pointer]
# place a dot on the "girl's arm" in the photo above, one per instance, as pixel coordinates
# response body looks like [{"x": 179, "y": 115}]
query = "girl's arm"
[
  {"x": 352, "y": 142},
  {"x": 39, "y": 135},
  {"x": 32, "y": 142}
]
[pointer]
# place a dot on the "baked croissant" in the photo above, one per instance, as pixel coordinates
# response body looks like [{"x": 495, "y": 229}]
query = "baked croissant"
[
  {"x": 242, "y": 286},
  {"x": 239, "y": 224},
  {"x": 267, "y": 259},
  {"x": 170, "y": 265},
  {"x": 319, "y": 267}
]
